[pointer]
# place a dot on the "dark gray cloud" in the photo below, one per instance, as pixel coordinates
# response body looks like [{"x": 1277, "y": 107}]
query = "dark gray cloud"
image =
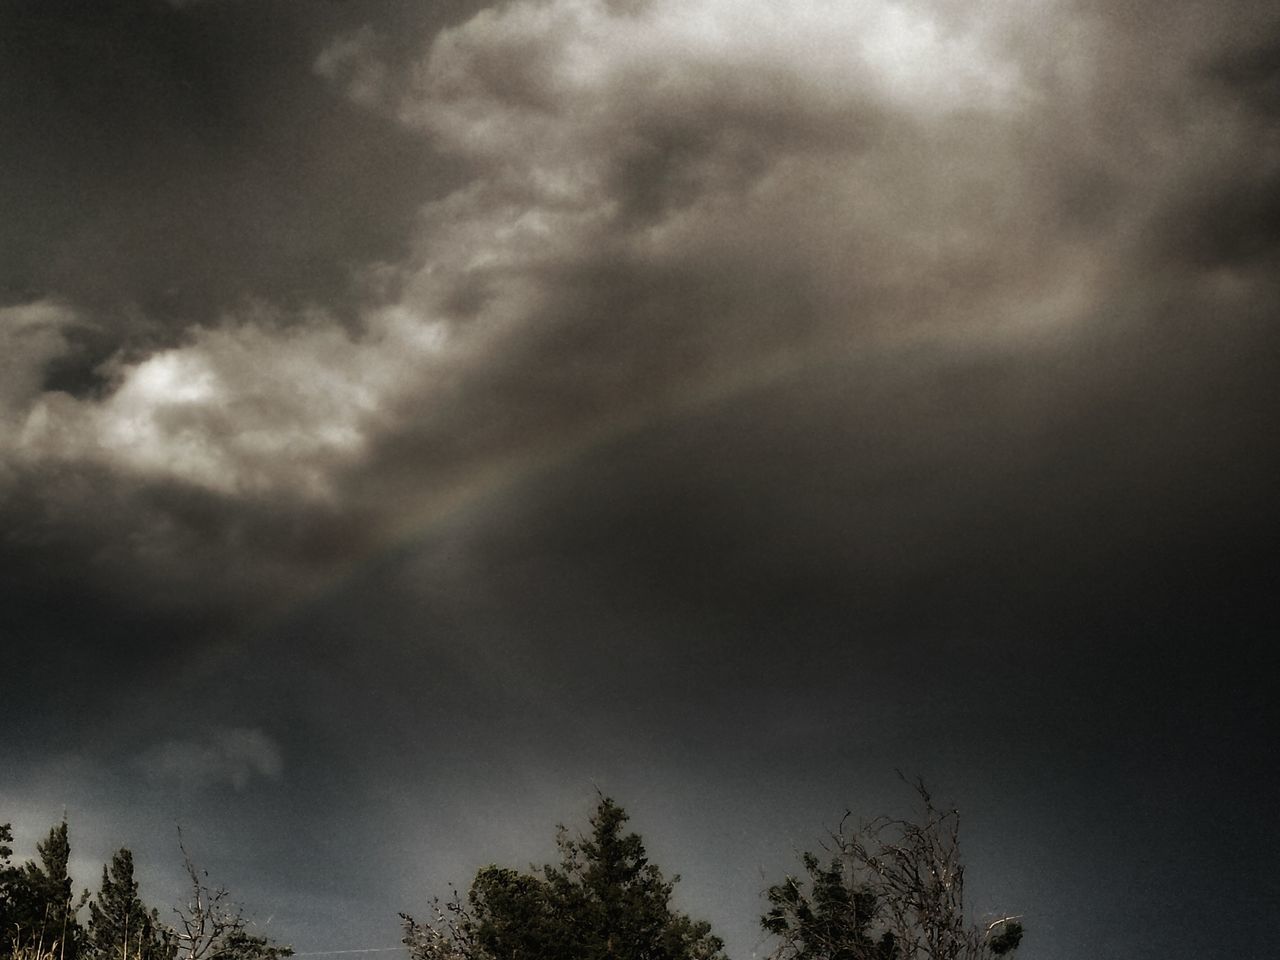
[
  {"x": 165, "y": 164},
  {"x": 721, "y": 403}
]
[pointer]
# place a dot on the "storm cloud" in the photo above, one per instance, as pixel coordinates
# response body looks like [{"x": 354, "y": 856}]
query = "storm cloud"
[{"x": 722, "y": 402}]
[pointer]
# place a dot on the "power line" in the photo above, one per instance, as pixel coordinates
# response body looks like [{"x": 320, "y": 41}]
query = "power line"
[{"x": 331, "y": 953}]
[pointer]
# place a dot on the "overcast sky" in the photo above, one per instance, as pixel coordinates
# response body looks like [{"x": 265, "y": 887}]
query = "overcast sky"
[{"x": 415, "y": 415}]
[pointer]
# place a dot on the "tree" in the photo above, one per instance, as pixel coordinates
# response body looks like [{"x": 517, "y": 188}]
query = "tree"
[
  {"x": 892, "y": 890},
  {"x": 834, "y": 920},
  {"x": 7, "y": 878},
  {"x": 38, "y": 903},
  {"x": 121, "y": 927},
  {"x": 211, "y": 926},
  {"x": 603, "y": 901}
]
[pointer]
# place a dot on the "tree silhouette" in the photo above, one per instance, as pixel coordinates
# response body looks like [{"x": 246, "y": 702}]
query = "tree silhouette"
[
  {"x": 603, "y": 901},
  {"x": 892, "y": 890},
  {"x": 37, "y": 903},
  {"x": 212, "y": 926},
  {"x": 121, "y": 927}
]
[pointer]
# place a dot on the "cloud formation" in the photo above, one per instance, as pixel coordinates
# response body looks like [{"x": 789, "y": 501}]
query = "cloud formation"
[
  {"x": 671, "y": 202},
  {"x": 726, "y": 396},
  {"x": 241, "y": 409},
  {"x": 233, "y": 756}
]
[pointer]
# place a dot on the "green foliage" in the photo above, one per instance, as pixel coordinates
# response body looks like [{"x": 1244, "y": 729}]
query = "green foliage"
[
  {"x": 603, "y": 901},
  {"x": 121, "y": 927}
]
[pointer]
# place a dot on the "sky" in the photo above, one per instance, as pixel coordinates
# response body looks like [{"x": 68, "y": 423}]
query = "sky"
[{"x": 417, "y": 416}]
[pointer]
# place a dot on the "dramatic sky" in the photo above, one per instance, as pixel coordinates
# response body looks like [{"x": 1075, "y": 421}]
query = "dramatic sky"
[{"x": 416, "y": 415}]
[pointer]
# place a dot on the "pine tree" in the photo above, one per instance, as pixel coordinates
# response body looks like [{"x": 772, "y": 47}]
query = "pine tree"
[
  {"x": 120, "y": 925},
  {"x": 603, "y": 901},
  {"x": 38, "y": 904},
  {"x": 8, "y": 877}
]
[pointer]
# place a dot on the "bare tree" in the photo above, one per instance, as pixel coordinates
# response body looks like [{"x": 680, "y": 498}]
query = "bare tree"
[
  {"x": 212, "y": 926},
  {"x": 892, "y": 890}
]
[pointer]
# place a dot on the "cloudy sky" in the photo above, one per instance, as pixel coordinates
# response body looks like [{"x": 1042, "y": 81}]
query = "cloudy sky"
[{"x": 415, "y": 415}]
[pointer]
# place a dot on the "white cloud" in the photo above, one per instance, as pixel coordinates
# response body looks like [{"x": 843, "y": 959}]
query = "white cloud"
[
  {"x": 854, "y": 145},
  {"x": 729, "y": 131},
  {"x": 235, "y": 756},
  {"x": 240, "y": 409},
  {"x": 569, "y": 59},
  {"x": 724, "y": 187}
]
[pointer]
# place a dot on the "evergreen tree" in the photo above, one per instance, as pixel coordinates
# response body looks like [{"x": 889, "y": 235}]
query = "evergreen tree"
[
  {"x": 7, "y": 878},
  {"x": 120, "y": 925},
  {"x": 603, "y": 901},
  {"x": 38, "y": 903}
]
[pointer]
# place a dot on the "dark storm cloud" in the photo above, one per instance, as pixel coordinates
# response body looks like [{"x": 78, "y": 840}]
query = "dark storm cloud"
[
  {"x": 786, "y": 395},
  {"x": 953, "y": 223},
  {"x": 165, "y": 164},
  {"x": 1252, "y": 73}
]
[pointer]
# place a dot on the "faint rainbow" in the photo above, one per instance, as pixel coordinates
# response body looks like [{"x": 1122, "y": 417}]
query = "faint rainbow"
[{"x": 509, "y": 470}]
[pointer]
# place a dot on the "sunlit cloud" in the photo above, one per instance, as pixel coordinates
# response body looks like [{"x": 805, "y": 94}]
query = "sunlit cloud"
[{"x": 241, "y": 408}]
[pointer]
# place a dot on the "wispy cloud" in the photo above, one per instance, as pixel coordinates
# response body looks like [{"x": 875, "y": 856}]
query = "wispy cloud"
[{"x": 236, "y": 756}]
